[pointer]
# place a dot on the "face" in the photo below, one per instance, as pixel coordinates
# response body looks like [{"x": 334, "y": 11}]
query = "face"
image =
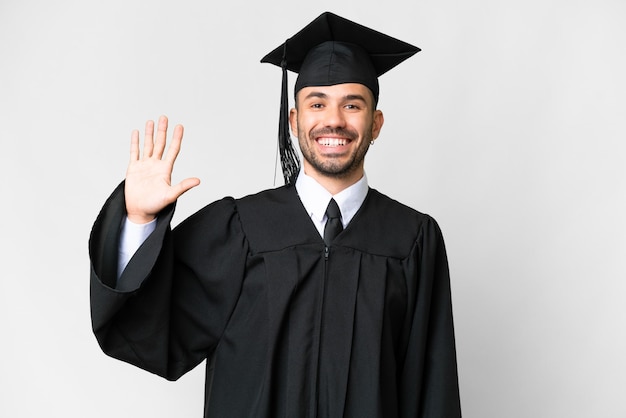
[{"x": 334, "y": 126}]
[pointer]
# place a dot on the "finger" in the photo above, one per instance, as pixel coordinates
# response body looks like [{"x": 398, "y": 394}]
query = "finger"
[
  {"x": 148, "y": 142},
  {"x": 161, "y": 137},
  {"x": 134, "y": 145},
  {"x": 182, "y": 187},
  {"x": 174, "y": 147}
]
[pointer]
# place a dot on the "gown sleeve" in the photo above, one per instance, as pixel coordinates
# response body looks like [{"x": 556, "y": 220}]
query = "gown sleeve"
[
  {"x": 175, "y": 297},
  {"x": 429, "y": 377}
]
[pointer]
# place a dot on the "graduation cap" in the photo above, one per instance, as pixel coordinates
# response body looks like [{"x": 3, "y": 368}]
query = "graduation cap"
[{"x": 328, "y": 51}]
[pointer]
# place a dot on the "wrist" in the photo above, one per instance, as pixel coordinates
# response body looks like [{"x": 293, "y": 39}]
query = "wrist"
[{"x": 140, "y": 219}]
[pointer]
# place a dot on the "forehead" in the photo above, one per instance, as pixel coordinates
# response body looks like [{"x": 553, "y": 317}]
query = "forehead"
[{"x": 337, "y": 92}]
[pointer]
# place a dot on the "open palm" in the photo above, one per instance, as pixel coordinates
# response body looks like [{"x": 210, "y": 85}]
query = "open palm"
[{"x": 148, "y": 187}]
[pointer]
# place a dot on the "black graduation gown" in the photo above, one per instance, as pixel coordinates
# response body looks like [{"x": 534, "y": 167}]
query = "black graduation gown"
[{"x": 290, "y": 328}]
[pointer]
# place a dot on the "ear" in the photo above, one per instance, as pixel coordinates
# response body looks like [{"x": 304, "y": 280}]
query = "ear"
[
  {"x": 377, "y": 123},
  {"x": 293, "y": 121}
]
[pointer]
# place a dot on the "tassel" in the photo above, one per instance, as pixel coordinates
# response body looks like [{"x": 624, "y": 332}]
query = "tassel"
[{"x": 289, "y": 159}]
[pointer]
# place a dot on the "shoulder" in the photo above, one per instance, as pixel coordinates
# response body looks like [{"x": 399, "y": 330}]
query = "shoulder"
[
  {"x": 387, "y": 203},
  {"x": 269, "y": 220},
  {"x": 395, "y": 214},
  {"x": 270, "y": 198},
  {"x": 275, "y": 219},
  {"x": 213, "y": 223},
  {"x": 272, "y": 205},
  {"x": 387, "y": 227}
]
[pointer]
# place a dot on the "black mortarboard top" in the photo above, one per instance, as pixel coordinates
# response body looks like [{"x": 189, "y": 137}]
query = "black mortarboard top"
[{"x": 332, "y": 50}]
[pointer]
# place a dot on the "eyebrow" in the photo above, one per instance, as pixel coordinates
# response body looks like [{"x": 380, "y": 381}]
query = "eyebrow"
[
  {"x": 317, "y": 94},
  {"x": 351, "y": 97}
]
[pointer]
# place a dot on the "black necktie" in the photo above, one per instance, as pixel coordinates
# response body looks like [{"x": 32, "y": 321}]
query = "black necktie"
[{"x": 333, "y": 223}]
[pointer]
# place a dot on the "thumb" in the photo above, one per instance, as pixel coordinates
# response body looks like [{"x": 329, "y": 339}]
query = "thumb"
[{"x": 182, "y": 187}]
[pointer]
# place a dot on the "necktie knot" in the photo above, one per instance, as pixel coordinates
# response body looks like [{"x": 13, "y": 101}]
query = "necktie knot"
[
  {"x": 333, "y": 211},
  {"x": 333, "y": 223}
]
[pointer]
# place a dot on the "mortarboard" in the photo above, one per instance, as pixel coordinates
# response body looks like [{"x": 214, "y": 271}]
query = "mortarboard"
[{"x": 331, "y": 50}]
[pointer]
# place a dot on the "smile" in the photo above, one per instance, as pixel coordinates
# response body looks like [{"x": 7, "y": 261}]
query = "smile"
[{"x": 332, "y": 142}]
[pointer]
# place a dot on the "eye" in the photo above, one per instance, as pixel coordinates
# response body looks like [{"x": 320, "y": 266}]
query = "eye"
[
  {"x": 352, "y": 106},
  {"x": 316, "y": 106}
]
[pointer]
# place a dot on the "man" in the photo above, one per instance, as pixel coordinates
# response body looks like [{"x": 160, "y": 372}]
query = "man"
[{"x": 321, "y": 298}]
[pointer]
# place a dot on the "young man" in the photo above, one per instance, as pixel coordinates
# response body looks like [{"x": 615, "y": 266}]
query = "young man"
[{"x": 321, "y": 298}]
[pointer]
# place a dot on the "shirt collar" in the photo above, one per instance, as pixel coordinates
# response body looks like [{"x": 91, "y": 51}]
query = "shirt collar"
[{"x": 315, "y": 197}]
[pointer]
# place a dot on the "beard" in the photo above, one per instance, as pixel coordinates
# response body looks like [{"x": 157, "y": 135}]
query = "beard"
[{"x": 327, "y": 165}]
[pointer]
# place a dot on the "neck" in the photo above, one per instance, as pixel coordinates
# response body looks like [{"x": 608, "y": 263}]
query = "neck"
[{"x": 334, "y": 184}]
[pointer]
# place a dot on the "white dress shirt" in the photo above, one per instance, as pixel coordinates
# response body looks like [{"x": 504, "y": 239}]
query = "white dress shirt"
[{"x": 314, "y": 198}]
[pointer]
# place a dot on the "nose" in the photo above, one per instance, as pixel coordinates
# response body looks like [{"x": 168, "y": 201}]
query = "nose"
[{"x": 334, "y": 117}]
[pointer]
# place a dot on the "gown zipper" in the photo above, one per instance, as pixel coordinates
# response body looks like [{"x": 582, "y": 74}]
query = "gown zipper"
[{"x": 321, "y": 331}]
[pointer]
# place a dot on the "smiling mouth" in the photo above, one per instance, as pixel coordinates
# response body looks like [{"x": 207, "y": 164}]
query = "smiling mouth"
[{"x": 332, "y": 142}]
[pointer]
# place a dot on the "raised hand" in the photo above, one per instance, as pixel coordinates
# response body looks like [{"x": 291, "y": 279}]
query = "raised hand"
[{"x": 148, "y": 187}]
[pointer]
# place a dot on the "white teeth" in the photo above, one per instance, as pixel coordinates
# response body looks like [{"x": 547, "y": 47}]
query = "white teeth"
[{"x": 332, "y": 142}]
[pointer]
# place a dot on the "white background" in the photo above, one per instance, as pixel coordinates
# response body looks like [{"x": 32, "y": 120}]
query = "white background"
[{"x": 508, "y": 128}]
